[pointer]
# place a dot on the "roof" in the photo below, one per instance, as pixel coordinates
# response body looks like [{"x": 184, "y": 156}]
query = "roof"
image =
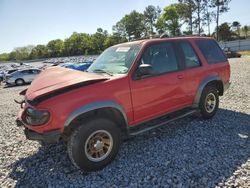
[{"x": 139, "y": 42}]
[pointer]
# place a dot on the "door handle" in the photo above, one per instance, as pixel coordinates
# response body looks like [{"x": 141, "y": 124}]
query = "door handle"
[{"x": 180, "y": 76}]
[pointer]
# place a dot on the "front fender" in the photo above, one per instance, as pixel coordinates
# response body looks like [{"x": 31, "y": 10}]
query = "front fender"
[{"x": 94, "y": 106}]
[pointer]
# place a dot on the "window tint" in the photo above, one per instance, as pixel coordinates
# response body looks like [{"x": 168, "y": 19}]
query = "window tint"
[
  {"x": 190, "y": 57},
  {"x": 211, "y": 51},
  {"x": 35, "y": 71},
  {"x": 161, "y": 57},
  {"x": 25, "y": 72},
  {"x": 30, "y": 71}
]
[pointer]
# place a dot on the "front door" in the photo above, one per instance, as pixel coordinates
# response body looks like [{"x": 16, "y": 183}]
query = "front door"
[{"x": 160, "y": 92}]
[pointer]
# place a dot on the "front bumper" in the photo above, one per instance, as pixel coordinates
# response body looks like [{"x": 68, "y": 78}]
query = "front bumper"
[{"x": 46, "y": 137}]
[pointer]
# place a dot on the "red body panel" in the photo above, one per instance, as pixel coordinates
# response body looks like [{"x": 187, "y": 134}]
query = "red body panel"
[
  {"x": 141, "y": 100},
  {"x": 57, "y": 78}
]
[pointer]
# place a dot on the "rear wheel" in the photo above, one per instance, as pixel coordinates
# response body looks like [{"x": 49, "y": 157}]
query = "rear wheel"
[
  {"x": 94, "y": 144},
  {"x": 209, "y": 102},
  {"x": 19, "y": 82}
]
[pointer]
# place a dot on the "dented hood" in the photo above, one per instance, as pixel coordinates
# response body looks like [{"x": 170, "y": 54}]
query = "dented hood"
[{"x": 57, "y": 80}]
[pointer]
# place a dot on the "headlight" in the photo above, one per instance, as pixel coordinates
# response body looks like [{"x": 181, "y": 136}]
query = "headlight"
[{"x": 36, "y": 117}]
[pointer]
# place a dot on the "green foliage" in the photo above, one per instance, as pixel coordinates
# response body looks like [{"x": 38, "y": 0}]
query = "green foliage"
[
  {"x": 236, "y": 26},
  {"x": 22, "y": 53},
  {"x": 151, "y": 14},
  {"x": 173, "y": 18},
  {"x": 38, "y": 52},
  {"x": 131, "y": 26},
  {"x": 221, "y": 6},
  {"x": 4, "y": 56},
  {"x": 55, "y": 48},
  {"x": 113, "y": 39},
  {"x": 76, "y": 44},
  {"x": 246, "y": 30},
  {"x": 224, "y": 31}
]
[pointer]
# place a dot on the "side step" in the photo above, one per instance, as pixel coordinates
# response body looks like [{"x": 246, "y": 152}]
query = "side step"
[{"x": 163, "y": 120}]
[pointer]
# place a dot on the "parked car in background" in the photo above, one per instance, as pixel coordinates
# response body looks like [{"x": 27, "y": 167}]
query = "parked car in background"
[
  {"x": 1, "y": 76},
  {"x": 8, "y": 72},
  {"x": 21, "y": 77},
  {"x": 77, "y": 66},
  {"x": 230, "y": 53}
]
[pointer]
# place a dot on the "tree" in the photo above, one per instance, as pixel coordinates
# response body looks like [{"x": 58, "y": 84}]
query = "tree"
[
  {"x": 236, "y": 26},
  {"x": 221, "y": 7},
  {"x": 131, "y": 26},
  {"x": 73, "y": 44},
  {"x": 173, "y": 18},
  {"x": 98, "y": 40},
  {"x": 160, "y": 25},
  {"x": 113, "y": 40},
  {"x": 22, "y": 53},
  {"x": 208, "y": 15},
  {"x": 246, "y": 30},
  {"x": 38, "y": 52},
  {"x": 224, "y": 32},
  {"x": 4, "y": 57},
  {"x": 151, "y": 14},
  {"x": 200, "y": 6},
  {"x": 190, "y": 8},
  {"x": 12, "y": 55},
  {"x": 55, "y": 48}
]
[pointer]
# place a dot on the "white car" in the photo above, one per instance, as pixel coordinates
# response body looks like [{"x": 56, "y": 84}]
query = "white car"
[{"x": 21, "y": 77}]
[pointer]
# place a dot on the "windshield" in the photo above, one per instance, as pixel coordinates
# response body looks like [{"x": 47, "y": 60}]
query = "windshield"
[{"x": 115, "y": 60}]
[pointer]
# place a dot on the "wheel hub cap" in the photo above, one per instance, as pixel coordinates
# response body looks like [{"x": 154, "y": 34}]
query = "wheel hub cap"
[
  {"x": 210, "y": 102},
  {"x": 98, "y": 145}
]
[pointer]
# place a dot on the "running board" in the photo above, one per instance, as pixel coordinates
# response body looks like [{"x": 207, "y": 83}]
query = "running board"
[{"x": 152, "y": 124}]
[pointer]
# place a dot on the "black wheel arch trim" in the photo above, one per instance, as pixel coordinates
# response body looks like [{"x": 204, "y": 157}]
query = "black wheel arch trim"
[
  {"x": 202, "y": 86},
  {"x": 95, "y": 106}
]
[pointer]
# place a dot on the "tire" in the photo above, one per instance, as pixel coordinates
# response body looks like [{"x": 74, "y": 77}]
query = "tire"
[
  {"x": 19, "y": 82},
  {"x": 209, "y": 102},
  {"x": 88, "y": 138}
]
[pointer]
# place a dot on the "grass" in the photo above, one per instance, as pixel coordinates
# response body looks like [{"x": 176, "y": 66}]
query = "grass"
[{"x": 245, "y": 53}]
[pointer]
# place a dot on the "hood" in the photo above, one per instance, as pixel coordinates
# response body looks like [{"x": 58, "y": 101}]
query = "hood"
[{"x": 57, "y": 80}]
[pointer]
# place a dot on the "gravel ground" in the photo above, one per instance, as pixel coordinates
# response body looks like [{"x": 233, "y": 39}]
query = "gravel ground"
[{"x": 187, "y": 153}]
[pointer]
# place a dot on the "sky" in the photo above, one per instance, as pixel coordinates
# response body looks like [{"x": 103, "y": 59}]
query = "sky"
[{"x": 32, "y": 22}]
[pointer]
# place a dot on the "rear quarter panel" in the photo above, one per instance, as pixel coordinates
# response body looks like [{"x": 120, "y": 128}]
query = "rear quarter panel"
[{"x": 221, "y": 69}]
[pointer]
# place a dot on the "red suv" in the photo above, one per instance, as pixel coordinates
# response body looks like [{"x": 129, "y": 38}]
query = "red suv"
[{"x": 131, "y": 88}]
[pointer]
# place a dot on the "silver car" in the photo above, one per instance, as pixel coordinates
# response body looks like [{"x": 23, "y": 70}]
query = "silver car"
[{"x": 21, "y": 77}]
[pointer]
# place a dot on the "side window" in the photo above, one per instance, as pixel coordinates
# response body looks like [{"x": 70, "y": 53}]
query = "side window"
[
  {"x": 211, "y": 51},
  {"x": 35, "y": 71},
  {"x": 161, "y": 57},
  {"x": 190, "y": 57},
  {"x": 25, "y": 72}
]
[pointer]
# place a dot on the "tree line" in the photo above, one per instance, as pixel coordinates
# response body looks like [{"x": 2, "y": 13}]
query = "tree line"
[{"x": 187, "y": 17}]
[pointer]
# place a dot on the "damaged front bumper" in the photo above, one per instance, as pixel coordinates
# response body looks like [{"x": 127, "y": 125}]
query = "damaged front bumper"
[{"x": 46, "y": 137}]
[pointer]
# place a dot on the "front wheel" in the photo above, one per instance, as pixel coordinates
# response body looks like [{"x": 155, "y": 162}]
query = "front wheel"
[
  {"x": 94, "y": 144},
  {"x": 209, "y": 102},
  {"x": 19, "y": 82}
]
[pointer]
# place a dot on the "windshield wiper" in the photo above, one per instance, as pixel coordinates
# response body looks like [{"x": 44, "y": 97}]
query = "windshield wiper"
[{"x": 102, "y": 71}]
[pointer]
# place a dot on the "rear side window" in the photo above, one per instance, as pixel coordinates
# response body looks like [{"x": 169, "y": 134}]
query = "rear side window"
[
  {"x": 190, "y": 57},
  {"x": 211, "y": 51}
]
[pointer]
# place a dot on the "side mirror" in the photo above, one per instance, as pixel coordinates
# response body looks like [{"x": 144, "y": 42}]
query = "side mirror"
[{"x": 145, "y": 70}]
